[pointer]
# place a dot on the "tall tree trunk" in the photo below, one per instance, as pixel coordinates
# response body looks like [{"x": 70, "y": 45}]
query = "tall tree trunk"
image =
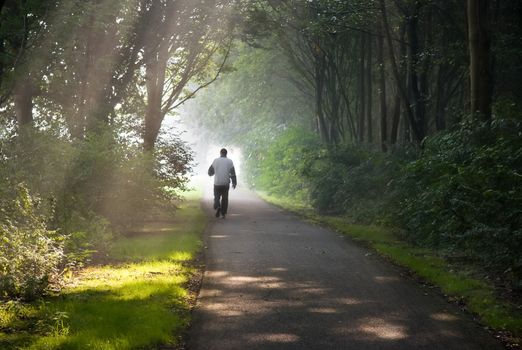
[
  {"x": 395, "y": 70},
  {"x": 335, "y": 131},
  {"x": 396, "y": 118},
  {"x": 419, "y": 108},
  {"x": 440, "y": 118},
  {"x": 382, "y": 93},
  {"x": 369, "y": 128},
  {"x": 152, "y": 128},
  {"x": 479, "y": 51},
  {"x": 156, "y": 69},
  {"x": 153, "y": 117},
  {"x": 362, "y": 90},
  {"x": 319, "y": 62}
]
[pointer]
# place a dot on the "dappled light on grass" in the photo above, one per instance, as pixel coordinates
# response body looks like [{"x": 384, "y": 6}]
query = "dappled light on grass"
[
  {"x": 120, "y": 307},
  {"x": 139, "y": 300},
  {"x": 156, "y": 241},
  {"x": 134, "y": 315},
  {"x": 182, "y": 256},
  {"x": 134, "y": 281}
]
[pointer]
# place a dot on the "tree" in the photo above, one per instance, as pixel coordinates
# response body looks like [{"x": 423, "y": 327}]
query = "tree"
[
  {"x": 91, "y": 60},
  {"x": 180, "y": 49},
  {"x": 21, "y": 28},
  {"x": 479, "y": 52},
  {"x": 250, "y": 103}
]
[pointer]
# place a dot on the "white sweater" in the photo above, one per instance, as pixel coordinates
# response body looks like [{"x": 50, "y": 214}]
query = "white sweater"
[{"x": 223, "y": 170}]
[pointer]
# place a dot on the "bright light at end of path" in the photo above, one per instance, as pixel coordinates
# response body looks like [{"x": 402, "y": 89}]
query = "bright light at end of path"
[{"x": 204, "y": 157}]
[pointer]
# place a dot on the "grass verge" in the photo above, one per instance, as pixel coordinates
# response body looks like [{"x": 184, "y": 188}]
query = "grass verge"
[
  {"x": 139, "y": 302},
  {"x": 478, "y": 296}
]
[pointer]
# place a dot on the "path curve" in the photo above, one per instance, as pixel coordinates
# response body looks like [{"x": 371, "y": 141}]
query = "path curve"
[{"x": 273, "y": 281}]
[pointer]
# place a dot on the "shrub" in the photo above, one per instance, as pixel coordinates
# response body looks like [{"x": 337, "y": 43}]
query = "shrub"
[
  {"x": 465, "y": 193},
  {"x": 349, "y": 180},
  {"x": 353, "y": 181},
  {"x": 87, "y": 190},
  {"x": 29, "y": 253},
  {"x": 283, "y": 164}
]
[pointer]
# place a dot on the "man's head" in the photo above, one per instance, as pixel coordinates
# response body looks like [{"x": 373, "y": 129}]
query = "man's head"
[{"x": 223, "y": 152}]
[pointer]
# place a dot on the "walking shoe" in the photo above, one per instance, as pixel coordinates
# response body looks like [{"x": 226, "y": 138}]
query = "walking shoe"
[
  {"x": 218, "y": 211},
  {"x": 223, "y": 216}
]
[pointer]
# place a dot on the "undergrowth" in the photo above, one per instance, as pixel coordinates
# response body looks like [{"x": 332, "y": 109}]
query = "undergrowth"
[{"x": 139, "y": 300}]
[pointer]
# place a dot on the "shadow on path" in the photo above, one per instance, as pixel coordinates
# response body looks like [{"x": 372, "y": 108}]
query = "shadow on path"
[{"x": 275, "y": 282}]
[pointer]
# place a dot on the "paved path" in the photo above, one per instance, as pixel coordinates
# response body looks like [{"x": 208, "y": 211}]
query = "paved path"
[{"x": 276, "y": 282}]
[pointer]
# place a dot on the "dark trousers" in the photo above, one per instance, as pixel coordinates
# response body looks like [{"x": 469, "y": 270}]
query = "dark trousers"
[{"x": 221, "y": 197}]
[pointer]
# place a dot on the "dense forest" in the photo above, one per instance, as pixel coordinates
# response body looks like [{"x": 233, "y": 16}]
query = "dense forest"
[
  {"x": 400, "y": 113},
  {"x": 403, "y": 113}
]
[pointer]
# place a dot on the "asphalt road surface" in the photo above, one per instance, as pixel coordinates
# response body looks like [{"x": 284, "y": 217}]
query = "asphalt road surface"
[{"x": 273, "y": 281}]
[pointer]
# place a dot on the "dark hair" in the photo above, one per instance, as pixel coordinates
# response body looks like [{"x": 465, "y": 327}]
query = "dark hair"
[{"x": 223, "y": 151}]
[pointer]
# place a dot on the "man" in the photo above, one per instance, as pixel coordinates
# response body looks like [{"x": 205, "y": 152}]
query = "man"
[{"x": 223, "y": 170}]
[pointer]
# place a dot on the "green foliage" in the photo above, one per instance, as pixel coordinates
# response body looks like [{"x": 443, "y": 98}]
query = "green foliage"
[
  {"x": 353, "y": 180},
  {"x": 465, "y": 193},
  {"x": 346, "y": 180},
  {"x": 462, "y": 195},
  {"x": 252, "y": 103},
  {"x": 30, "y": 254},
  {"x": 283, "y": 163},
  {"x": 139, "y": 303},
  {"x": 86, "y": 191}
]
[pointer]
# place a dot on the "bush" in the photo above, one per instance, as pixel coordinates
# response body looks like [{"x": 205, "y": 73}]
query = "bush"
[
  {"x": 283, "y": 164},
  {"x": 465, "y": 194},
  {"x": 349, "y": 180},
  {"x": 29, "y": 253},
  {"x": 353, "y": 181},
  {"x": 87, "y": 190}
]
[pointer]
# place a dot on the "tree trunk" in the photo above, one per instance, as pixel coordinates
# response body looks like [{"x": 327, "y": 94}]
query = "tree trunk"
[
  {"x": 153, "y": 114},
  {"x": 395, "y": 119},
  {"x": 419, "y": 121},
  {"x": 155, "y": 73},
  {"x": 319, "y": 87},
  {"x": 382, "y": 93},
  {"x": 369, "y": 128},
  {"x": 440, "y": 118},
  {"x": 335, "y": 131},
  {"x": 152, "y": 128},
  {"x": 362, "y": 90},
  {"x": 395, "y": 70},
  {"x": 479, "y": 37}
]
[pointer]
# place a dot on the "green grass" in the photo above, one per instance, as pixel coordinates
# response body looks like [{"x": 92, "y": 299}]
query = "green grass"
[
  {"x": 140, "y": 302},
  {"x": 478, "y": 295}
]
